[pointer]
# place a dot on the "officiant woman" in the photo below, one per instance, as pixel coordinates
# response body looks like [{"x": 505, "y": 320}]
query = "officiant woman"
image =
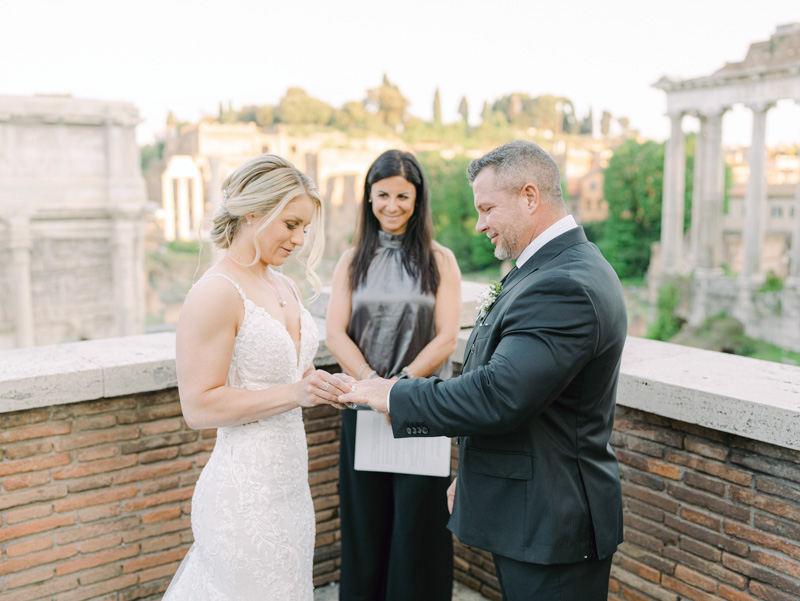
[{"x": 394, "y": 312}]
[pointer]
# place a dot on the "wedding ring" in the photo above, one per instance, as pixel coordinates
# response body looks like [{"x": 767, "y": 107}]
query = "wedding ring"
[{"x": 327, "y": 383}]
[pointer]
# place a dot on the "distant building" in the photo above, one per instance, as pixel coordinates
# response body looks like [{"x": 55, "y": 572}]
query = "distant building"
[{"x": 72, "y": 220}]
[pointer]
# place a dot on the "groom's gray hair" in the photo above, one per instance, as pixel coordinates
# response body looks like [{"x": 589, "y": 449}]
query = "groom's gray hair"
[{"x": 518, "y": 163}]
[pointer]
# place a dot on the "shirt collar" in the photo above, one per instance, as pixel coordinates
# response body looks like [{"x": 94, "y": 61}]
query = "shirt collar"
[{"x": 559, "y": 227}]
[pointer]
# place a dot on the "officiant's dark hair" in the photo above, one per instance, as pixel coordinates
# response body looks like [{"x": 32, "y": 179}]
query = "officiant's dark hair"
[{"x": 418, "y": 258}]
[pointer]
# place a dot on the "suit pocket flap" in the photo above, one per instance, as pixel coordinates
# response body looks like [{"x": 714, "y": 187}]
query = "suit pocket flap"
[{"x": 517, "y": 466}]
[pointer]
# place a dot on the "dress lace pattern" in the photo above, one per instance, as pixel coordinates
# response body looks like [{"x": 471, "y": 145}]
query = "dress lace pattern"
[{"x": 252, "y": 514}]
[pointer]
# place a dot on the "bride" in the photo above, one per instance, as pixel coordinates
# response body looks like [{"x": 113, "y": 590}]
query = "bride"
[{"x": 245, "y": 346}]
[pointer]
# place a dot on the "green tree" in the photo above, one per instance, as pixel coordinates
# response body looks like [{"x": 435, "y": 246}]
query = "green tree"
[
  {"x": 265, "y": 115},
  {"x": 454, "y": 214},
  {"x": 352, "y": 114},
  {"x": 298, "y": 107},
  {"x": 388, "y": 103},
  {"x": 587, "y": 125},
  {"x": 632, "y": 188},
  {"x": 437, "y": 108}
]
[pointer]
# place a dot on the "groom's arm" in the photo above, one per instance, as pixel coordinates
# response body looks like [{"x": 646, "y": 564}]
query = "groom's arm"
[{"x": 548, "y": 336}]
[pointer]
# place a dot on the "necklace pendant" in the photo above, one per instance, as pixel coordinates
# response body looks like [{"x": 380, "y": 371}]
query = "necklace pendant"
[{"x": 283, "y": 303}]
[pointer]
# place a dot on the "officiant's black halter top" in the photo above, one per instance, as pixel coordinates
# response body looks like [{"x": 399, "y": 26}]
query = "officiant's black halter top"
[{"x": 391, "y": 320}]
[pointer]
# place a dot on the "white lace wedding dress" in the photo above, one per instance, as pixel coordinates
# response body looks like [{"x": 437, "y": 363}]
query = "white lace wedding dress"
[{"x": 252, "y": 514}]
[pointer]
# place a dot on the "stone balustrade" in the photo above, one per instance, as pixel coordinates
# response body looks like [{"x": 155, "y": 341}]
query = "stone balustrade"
[{"x": 98, "y": 468}]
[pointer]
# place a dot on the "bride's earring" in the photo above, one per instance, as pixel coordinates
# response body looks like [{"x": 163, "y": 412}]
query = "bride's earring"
[{"x": 249, "y": 222}]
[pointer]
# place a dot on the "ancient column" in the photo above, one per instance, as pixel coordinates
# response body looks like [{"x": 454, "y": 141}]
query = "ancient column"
[
  {"x": 695, "y": 226},
  {"x": 794, "y": 255},
  {"x": 126, "y": 288},
  {"x": 184, "y": 229},
  {"x": 20, "y": 244},
  {"x": 198, "y": 206},
  {"x": 753, "y": 227},
  {"x": 713, "y": 187},
  {"x": 168, "y": 203},
  {"x": 672, "y": 204}
]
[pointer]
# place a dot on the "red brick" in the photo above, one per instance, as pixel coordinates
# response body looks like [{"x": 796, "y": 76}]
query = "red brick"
[
  {"x": 165, "y": 571},
  {"x": 35, "y": 431},
  {"x": 158, "y": 499},
  {"x": 138, "y": 533},
  {"x": 774, "y": 506},
  {"x": 149, "y": 487},
  {"x": 99, "y": 513},
  {"x": 32, "y": 495},
  {"x": 27, "y": 578},
  {"x": 731, "y": 594},
  {"x": 23, "y": 418},
  {"x": 758, "y": 572},
  {"x": 154, "y": 560},
  {"x": 97, "y": 438},
  {"x": 762, "y": 539},
  {"x": 34, "y": 464},
  {"x": 768, "y": 593},
  {"x": 711, "y": 467},
  {"x": 643, "y": 540},
  {"x": 646, "y": 447},
  {"x": 109, "y": 496},
  {"x": 98, "y": 559},
  {"x": 706, "y": 536},
  {"x": 711, "y": 568},
  {"x": 160, "y": 412},
  {"x": 95, "y": 530},
  {"x": 160, "y": 544},
  {"x": 706, "y": 448},
  {"x": 162, "y": 427},
  {"x": 13, "y": 566},
  {"x": 153, "y": 471},
  {"x": 650, "y": 465},
  {"x": 156, "y": 442},
  {"x": 787, "y": 566},
  {"x": 90, "y": 483},
  {"x": 158, "y": 455},
  {"x": 641, "y": 570},
  {"x": 665, "y": 535},
  {"x": 650, "y": 497},
  {"x": 700, "y": 549},
  {"x": 709, "y": 502},
  {"x": 96, "y": 590},
  {"x": 95, "y": 453},
  {"x": 100, "y": 574},
  {"x": 96, "y": 422},
  {"x": 103, "y": 542},
  {"x": 42, "y": 591},
  {"x": 161, "y": 515},
  {"x": 705, "y": 520},
  {"x": 26, "y": 480},
  {"x": 208, "y": 433},
  {"x": 25, "y": 514},
  {"x": 94, "y": 467},
  {"x": 696, "y": 480},
  {"x": 686, "y": 590},
  {"x": 689, "y": 576},
  {"x": 30, "y": 546},
  {"x": 20, "y": 451}
]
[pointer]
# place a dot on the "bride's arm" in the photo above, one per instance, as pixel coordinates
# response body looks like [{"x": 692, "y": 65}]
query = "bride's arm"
[{"x": 205, "y": 338}]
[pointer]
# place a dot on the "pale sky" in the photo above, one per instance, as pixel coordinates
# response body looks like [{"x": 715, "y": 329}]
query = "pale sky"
[{"x": 187, "y": 56}]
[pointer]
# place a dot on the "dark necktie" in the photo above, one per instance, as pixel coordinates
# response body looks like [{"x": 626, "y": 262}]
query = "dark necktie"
[{"x": 507, "y": 277}]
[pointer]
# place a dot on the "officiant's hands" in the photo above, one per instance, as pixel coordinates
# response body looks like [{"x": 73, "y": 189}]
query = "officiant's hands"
[
  {"x": 372, "y": 392},
  {"x": 451, "y": 495}
]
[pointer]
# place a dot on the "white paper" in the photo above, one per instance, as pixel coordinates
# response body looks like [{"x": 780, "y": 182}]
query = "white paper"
[{"x": 377, "y": 450}]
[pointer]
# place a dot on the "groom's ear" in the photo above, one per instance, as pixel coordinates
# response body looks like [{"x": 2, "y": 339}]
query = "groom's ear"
[{"x": 532, "y": 198}]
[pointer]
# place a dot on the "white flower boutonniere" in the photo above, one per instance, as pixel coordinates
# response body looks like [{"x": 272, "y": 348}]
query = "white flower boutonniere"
[{"x": 487, "y": 297}]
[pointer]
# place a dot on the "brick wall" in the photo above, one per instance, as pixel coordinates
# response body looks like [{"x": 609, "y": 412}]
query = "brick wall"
[
  {"x": 708, "y": 515},
  {"x": 95, "y": 501},
  {"x": 95, "y": 497}
]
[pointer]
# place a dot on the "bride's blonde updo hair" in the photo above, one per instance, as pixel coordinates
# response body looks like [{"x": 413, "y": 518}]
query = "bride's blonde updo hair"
[{"x": 263, "y": 187}]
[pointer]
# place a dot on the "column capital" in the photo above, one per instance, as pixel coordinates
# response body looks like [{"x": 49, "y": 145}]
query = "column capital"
[
  {"x": 708, "y": 113},
  {"x": 760, "y": 107}
]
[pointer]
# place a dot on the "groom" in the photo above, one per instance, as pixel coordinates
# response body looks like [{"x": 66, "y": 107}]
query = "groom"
[{"x": 538, "y": 484}]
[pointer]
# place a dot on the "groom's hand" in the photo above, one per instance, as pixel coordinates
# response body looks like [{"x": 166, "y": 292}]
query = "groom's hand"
[{"x": 372, "y": 392}]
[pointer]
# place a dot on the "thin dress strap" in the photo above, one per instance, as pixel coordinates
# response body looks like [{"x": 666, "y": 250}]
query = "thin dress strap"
[
  {"x": 231, "y": 280},
  {"x": 292, "y": 285}
]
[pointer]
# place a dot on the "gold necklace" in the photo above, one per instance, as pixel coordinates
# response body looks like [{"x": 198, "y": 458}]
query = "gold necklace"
[{"x": 270, "y": 284}]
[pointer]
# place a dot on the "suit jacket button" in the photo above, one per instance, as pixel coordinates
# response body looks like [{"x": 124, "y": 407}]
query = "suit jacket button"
[
  {"x": 424, "y": 430},
  {"x": 408, "y": 430}
]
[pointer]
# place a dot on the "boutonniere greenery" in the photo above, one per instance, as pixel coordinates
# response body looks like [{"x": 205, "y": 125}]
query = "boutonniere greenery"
[{"x": 487, "y": 297}]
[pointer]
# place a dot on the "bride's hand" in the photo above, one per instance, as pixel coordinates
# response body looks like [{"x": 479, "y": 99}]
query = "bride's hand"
[{"x": 319, "y": 388}]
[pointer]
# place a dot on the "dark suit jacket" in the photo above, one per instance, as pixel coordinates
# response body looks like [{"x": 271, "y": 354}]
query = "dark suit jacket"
[{"x": 537, "y": 480}]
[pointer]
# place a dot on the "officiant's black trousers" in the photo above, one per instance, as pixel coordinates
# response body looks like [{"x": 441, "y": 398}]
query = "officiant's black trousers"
[
  {"x": 583, "y": 581},
  {"x": 395, "y": 544}
]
